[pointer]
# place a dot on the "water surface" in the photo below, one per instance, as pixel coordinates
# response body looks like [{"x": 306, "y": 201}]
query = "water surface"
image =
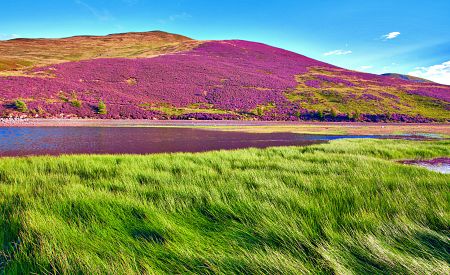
[
  {"x": 441, "y": 165},
  {"x": 22, "y": 141}
]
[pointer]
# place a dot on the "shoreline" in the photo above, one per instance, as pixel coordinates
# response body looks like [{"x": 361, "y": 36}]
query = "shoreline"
[
  {"x": 39, "y": 122},
  {"x": 246, "y": 126}
]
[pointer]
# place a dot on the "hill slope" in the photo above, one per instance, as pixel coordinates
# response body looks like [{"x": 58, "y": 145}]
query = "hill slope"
[
  {"x": 407, "y": 77},
  {"x": 18, "y": 55},
  {"x": 206, "y": 80}
]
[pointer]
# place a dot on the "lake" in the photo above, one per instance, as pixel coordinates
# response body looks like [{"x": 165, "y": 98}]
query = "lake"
[{"x": 23, "y": 141}]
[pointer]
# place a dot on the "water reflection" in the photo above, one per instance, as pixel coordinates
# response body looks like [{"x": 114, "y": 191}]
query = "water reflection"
[{"x": 17, "y": 141}]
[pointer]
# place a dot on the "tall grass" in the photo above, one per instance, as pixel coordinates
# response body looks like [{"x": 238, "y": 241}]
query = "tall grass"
[{"x": 342, "y": 207}]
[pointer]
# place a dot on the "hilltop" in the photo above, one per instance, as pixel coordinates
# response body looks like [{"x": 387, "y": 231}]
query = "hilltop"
[
  {"x": 20, "y": 54},
  {"x": 407, "y": 77},
  {"x": 157, "y": 75}
]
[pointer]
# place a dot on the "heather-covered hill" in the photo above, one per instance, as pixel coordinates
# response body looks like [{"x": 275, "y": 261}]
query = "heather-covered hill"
[{"x": 218, "y": 80}]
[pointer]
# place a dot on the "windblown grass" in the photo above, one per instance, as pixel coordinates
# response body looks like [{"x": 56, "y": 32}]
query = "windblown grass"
[{"x": 340, "y": 207}]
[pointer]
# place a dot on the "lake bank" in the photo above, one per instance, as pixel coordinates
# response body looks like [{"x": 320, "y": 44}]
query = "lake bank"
[{"x": 336, "y": 128}]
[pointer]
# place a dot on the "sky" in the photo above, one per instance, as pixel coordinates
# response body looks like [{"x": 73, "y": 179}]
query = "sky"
[{"x": 376, "y": 36}]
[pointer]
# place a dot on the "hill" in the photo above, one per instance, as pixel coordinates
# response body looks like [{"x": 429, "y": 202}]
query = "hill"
[
  {"x": 18, "y": 55},
  {"x": 407, "y": 77},
  {"x": 156, "y": 75}
]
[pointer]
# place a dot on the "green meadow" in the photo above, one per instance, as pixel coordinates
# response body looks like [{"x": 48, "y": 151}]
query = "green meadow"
[{"x": 342, "y": 207}]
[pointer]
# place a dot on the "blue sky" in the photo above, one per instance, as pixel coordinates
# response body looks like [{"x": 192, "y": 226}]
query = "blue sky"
[{"x": 374, "y": 36}]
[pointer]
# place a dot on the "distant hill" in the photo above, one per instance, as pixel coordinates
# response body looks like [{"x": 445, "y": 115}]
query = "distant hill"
[
  {"x": 157, "y": 75},
  {"x": 20, "y": 54},
  {"x": 408, "y": 77}
]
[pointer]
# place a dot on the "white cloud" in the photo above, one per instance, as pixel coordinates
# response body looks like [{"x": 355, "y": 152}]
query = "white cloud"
[
  {"x": 337, "y": 52},
  {"x": 390, "y": 35},
  {"x": 8, "y": 36},
  {"x": 438, "y": 73},
  {"x": 365, "y": 67}
]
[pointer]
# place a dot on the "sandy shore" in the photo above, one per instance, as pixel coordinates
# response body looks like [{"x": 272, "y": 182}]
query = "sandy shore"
[{"x": 246, "y": 126}]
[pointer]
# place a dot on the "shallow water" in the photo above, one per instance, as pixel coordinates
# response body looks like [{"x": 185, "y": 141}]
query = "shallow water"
[
  {"x": 441, "y": 168},
  {"x": 441, "y": 165},
  {"x": 21, "y": 141}
]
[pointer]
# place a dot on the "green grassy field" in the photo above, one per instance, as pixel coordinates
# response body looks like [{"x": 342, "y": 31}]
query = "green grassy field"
[{"x": 342, "y": 207}]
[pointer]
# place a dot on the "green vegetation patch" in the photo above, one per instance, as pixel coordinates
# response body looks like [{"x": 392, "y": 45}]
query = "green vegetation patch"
[
  {"x": 101, "y": 109},
  {"x": 21, "y": 106},
  {"x": 171, "y": 110},
  {"x": 260, "y": 110},
  {"x": 342, "y": 207}
]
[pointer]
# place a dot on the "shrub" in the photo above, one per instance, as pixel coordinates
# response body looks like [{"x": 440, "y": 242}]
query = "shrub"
[
  {"x": 260, "y": 110},
  {"x": 320, "y": 114},
  {"x": 76, "y": 103},
  {"x": 21, "y": 106},
  {"x": 102, "y": 108},
  {"x": 63, "y": 96},
  {"x": 333, "y": 112},
  {"x": 355, "y": 116}
]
